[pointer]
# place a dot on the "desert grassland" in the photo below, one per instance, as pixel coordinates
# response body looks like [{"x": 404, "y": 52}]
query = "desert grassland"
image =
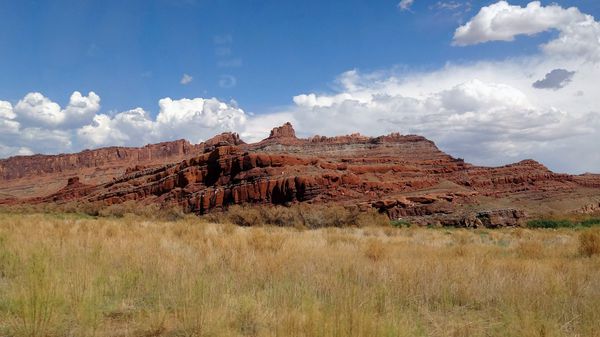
[{"x": 67, "y": 275}]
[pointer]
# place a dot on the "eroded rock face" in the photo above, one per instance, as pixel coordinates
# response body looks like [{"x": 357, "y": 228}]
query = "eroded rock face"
[
  {"x": 495, "y": 218},
  {"x": 593, "y": 208},
  {"x": 26, "y": 166},
  {"x": 284, "y": 131},
  {"x": 501, "y": 218},
  {"x": 403, "y": 176},
  {"x": 125, "y": 157},
  {"x": 588, "y": 180}
]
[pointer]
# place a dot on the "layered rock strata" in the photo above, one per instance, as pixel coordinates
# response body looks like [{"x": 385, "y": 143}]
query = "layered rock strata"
[{"x": 400, "y": 175}]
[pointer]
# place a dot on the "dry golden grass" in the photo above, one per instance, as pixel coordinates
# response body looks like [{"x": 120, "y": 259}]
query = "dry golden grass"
[
  {"x": 589, "y": 242},
  {"x": 63, "y": 275}
]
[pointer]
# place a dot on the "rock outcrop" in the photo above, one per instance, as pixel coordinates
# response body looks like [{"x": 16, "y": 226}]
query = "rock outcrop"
[
  {"x": 590, "y": 209},
  {"x": 284, "y": 131},
  {"x": 403, "y": 176},
  {"x": 496, "y": 218},
  {"x": 26, "y": 166},
  {"x": 36, "y": 165}
]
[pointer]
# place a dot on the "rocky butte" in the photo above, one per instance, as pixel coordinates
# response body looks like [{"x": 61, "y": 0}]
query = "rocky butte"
[{"x": 403, "y": 176}]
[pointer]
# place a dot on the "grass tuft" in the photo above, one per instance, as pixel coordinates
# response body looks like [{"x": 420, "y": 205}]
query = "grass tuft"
[
  {"x": 375, "y": 250},
  {"x": 589, "y": 242}
]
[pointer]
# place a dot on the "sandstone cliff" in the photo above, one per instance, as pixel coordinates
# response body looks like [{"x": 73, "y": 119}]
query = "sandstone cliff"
[
  {"x": 401, "y": 175},
  {"x": 25, "y": 166}
]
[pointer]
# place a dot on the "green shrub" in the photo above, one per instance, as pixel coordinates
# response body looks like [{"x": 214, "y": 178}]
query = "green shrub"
[
  {"x": 546, "y": 223},
  {"x": 400, "y": 223},
  {"x": 551, "y": 223},
  {"x": 590, "y": 222}
]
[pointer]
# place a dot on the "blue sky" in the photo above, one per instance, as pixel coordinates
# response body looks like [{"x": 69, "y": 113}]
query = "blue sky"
[
  {"x": 261, "y": 54},
  {"x": 133, "y": 53}
]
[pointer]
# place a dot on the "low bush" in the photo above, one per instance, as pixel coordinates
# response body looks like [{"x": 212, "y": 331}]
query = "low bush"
[
  {"x": 281, "y": 216},
  {"x": 372, "y": 218},
  {"x": 149, "y": 211},
  {"x": 245, "y": 216},
  {"x": 400, "y": 223},
  {"x": 530, "y": 249},
  {"x": 119, "y": 210},
  {"x": 590, "y": 222},
  {"x": 375, "y": 250},
  {"x": 552, "y": 223},
  {"x": 265, "y": 241},
  {"x": 318, "y": 216},
  {"x": 589, "y": 242},
  {"x": 299, "y": 216},
  {"x": 546, "y": 223}
]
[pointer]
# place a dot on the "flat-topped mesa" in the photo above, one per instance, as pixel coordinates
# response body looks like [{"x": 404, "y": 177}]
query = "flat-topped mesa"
[
  {"x": 352, "y": 138},
  {"x": 396, "y": 137},
  {"x": 127, "y": 157},
  {"x": 530, "y": 163},
  {"x": 588, "y": 180},
  {"x": 36, "y": 165},
  {"x": 284, "y": 131}
]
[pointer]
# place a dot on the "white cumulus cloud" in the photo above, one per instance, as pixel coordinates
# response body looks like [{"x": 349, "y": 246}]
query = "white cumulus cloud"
[
  {"x": 579, "y": 34},
  {"x": 6, "y": 110},
  {"x": 193, "y": 119},
  {"x": 81, "y": 109},
  {"x": 8, "y": 126},
  {"x": 196, "y": 118},
  {"x": 39, "y": 125},
  {"x": 37, "y": 110}
]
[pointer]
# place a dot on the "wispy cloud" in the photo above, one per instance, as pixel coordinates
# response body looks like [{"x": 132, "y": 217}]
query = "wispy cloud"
[
  {"x": 230, "y": 63},
  {"x": 227, "y": 81},
  {"x": 451, "y": 5},
  {"x": 186, "y": 79},
  {"x": 405, "y": 5},
  {"x": 226, "y": 59}
]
